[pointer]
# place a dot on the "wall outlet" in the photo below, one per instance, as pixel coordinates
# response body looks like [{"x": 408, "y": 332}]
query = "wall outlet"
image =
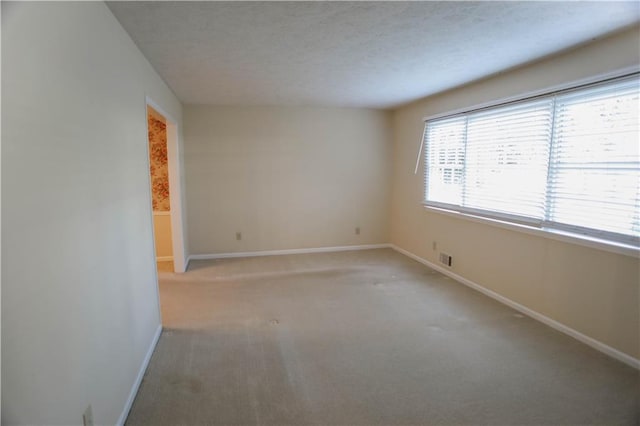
[
  {"x": 238, "y": 236},
  {"x": 87, "y": 417},
  {"x": 357, "y": 230},
  {"x": 434, "y": 245}
]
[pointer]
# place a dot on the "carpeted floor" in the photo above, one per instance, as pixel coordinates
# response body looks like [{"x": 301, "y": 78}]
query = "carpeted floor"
[{"x": 364, "y": 338}]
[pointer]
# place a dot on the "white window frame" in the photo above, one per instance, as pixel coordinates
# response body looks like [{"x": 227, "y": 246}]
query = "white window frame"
[{"x": 609, "y": 241}]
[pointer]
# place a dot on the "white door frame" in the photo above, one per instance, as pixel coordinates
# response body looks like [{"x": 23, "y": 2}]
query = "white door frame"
[{"x": 175, "y": 187}]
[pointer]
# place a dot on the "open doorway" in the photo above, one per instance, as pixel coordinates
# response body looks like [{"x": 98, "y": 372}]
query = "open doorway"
[{"x": 165, "y": 190}]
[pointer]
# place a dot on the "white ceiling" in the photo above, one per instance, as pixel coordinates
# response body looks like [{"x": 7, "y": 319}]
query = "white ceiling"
[{"x": 356, "y": 54}]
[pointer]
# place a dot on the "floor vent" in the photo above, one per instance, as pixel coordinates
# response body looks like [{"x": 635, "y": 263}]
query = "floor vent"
[{"x": 445, "y": 259}]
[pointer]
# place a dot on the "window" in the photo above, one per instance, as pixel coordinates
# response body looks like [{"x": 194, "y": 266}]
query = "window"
[{"x": 567, "y": 161}]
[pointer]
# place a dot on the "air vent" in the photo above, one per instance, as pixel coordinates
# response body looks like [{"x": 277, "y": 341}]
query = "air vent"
[{"x": 445, "y": 259}]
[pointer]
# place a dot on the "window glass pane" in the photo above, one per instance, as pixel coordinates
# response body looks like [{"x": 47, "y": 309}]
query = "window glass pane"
[
  {"x": 445, "y": 160},
  {"x": 507, "y": 157},
  {"x": 569, "y": 161},
  {"x": 596, "y": 165}
]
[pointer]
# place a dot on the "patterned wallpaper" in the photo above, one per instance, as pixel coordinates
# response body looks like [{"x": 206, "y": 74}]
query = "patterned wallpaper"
[{"x": 158, "y": 164}]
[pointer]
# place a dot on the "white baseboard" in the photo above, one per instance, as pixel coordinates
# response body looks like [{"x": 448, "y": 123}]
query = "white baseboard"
[
  {"x": 288, "y": 251},
  {"x": 164, "y": 258},
  {"x": 596, "y": 344},
  {"x": 136, "y": 384}
]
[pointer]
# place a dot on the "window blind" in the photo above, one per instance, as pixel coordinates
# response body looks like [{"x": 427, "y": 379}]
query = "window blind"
[
  {"x": 445, "y": 160},
  {"x": 595, "y": 164},
  {"x": 567, "y": 161},
  {"x": 506, "y": 159}
]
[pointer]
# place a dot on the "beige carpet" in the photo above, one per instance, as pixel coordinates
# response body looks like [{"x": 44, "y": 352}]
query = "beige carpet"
[{"x": 364, "y": 338}]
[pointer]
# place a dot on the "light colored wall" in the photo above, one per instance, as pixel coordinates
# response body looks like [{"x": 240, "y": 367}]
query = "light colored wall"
[
  {"x": 79, "y": 297},
  {"x": 162, "y": 234},
  {"x": 592, "y": 291},
  {"x": 286, "y": 177}
]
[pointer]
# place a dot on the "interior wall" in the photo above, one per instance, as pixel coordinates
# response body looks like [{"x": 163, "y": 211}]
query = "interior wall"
[
  {"x": 160, "y": 188},
  {"x": 162, "y": 234},
  {"x": 590, "y": 290},
  {"x": 79, "y": 305},
  {"x": 286, "y": 177},
  {"x": 158, "y": 163}
]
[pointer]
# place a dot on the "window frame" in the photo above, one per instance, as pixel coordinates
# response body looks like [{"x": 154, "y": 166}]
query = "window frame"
[{"x": 627, "y": 244}]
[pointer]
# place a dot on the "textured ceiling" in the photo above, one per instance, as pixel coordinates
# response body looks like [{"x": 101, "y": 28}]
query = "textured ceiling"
[{"x": 358, "y": 54}]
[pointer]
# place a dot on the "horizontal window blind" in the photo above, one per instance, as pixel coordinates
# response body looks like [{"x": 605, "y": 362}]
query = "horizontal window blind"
[
  {"x": 506, "y": 159},
  {"x": 568, "y": 161},
  {"x": 445, "y": 160},
  {"x": 595, "y": 167}
]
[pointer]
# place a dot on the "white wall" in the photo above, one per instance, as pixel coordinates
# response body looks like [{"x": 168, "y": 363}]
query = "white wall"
[
  {"x": 286, "y": 177},
  {"x": 79, "y": 305},
  {"x": 592, "y": 291}
]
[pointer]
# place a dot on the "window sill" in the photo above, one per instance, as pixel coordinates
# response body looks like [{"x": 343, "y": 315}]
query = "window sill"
[{"x": 554, "y": 234}]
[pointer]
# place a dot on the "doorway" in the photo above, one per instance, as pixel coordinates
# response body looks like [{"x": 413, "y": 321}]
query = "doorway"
[{"x": 164, "y": 174}]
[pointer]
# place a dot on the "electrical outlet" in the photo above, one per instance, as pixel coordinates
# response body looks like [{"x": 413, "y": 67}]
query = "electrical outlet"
[
  {"x": 87, "y": 417},
  {"x": 357, "y": 230},
  {"x": 238, "y": 236},
  {"x": 434, "y": 245}
]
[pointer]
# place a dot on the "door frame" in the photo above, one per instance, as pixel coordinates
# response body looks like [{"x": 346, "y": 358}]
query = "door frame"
[{"x": 175, "y": 185}]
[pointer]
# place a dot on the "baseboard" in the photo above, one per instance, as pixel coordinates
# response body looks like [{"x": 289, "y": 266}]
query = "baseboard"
[
  {"x": 164, "y": 258},
  {"x": 287, "y": 251},
  {"x": 136, "y": 384},
  {"x": 596, "y": 344}
]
